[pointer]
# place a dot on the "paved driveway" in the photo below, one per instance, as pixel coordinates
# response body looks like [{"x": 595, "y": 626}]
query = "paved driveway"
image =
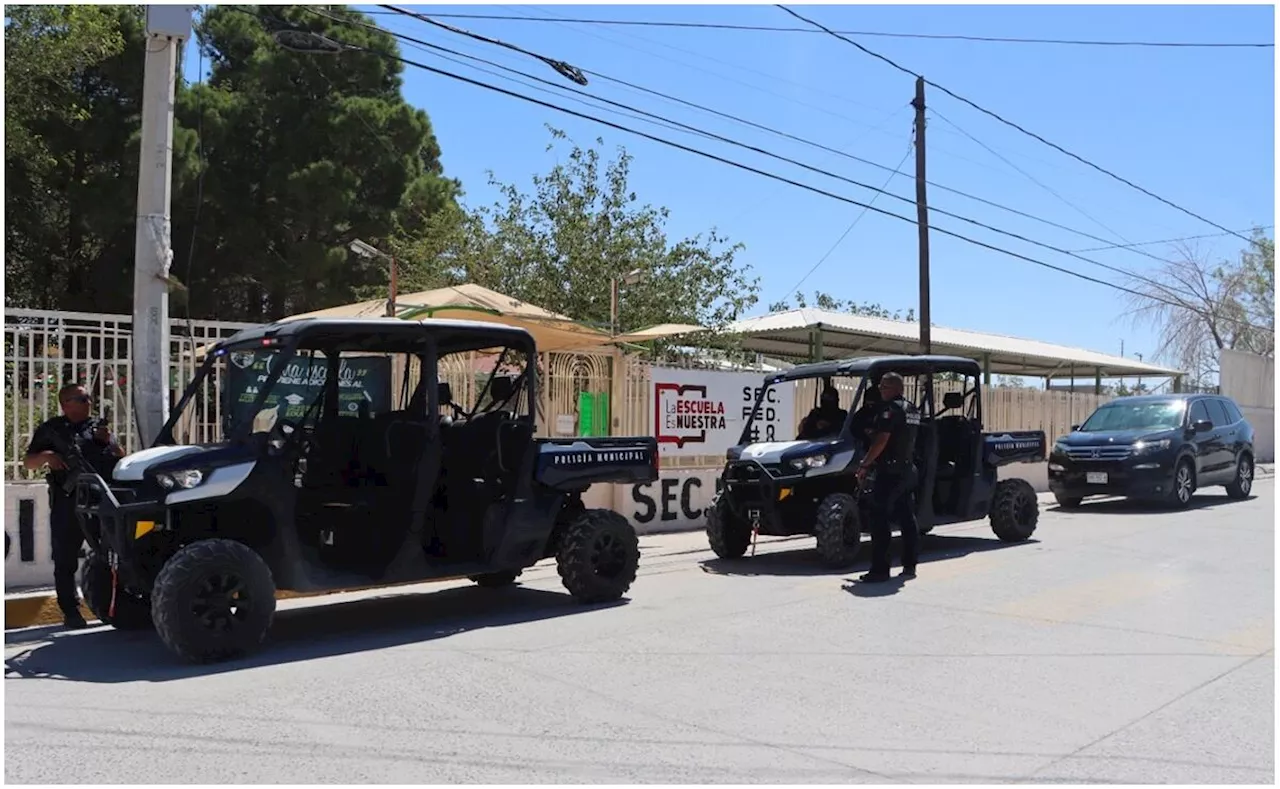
[{"x": 1122, "y": 645}]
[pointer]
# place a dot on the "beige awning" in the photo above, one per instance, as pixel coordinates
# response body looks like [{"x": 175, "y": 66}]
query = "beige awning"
[
  {"x": 660, "y": 331},
  {"x": 550, "y": 330}
]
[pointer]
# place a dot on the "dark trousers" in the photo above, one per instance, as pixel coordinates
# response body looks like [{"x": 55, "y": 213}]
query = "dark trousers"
[
  {"x": 893, "y": 502},
  {"x": 67, "y": 540}
]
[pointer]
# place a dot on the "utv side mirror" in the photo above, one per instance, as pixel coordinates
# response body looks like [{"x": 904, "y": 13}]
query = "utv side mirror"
[
  {"x": 953, "y": 400},
  {"x": 1202, "y": 426}
]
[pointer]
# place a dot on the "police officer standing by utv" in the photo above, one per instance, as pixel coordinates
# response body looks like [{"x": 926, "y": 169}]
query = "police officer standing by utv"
[
  {"x": 101, "y": 452},
  {"x": 892, "y": 454}
]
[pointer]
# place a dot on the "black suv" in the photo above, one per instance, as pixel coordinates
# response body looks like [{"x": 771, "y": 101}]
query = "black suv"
[{"x": 1161, "y": 447}]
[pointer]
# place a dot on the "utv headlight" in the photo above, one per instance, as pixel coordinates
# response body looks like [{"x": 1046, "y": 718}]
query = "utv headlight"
[
  {"x": 185, "y": 479},
  {"x": 812, "y": 461},
  {"x": 1151, "y": 446}
]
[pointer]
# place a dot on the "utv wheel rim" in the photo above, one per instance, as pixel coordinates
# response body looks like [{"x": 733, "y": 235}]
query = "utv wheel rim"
[
  {"x": 1025, "y": 508},
  {"x": 1246, "y": 476},
  {"x": 608, "y": 556},
  {"x": 1184, "y": 484},
  {"x": 221, "y": 603}
]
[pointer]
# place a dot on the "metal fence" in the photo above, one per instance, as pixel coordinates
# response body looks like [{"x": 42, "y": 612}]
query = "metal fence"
[
  {"x": 600, "y": 393},
  {"x": 44, "y": 350}
]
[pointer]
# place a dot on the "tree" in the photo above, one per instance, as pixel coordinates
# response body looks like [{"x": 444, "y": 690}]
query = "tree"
[
  {"x": 45, "y": 46},
  {"x": 72, "y": 173},
  {"x": 560, "y": 246},
  {"x": 279, "y": 161},
  {"x": 1201, "y": 308},
  {"x": 825, "y": 301},
  {"x": 302, "y": 154}
]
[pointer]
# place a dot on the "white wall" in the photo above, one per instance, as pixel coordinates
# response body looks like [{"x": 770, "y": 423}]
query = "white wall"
[
  {"x": 1250, "y": 380},
  {"x": 37, "y": 571},
  {"x": 676, "y": 502}
]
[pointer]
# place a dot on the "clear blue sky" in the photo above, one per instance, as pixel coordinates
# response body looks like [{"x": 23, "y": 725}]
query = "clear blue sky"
[{"x": 1193, "y": 125}]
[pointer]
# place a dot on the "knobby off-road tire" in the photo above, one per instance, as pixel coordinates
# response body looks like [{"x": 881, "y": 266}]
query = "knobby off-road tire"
[
  {"x": 214, "y": 600},
  {"x": 497, "y": 580},
  {"x": 598, "y": 557},
  {"x": 838, "y": 529},
  {"x": 133, "y": 612},
  {"x": 1242, "y": 485},
  {"x": 1184, "y": 485},
  {"x": 729, "y": 536},
  {"x": 1015, "y": 511}
]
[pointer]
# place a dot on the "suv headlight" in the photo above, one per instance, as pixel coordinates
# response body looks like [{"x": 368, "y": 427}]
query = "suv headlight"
[
  {"x": 1151, "y": 446},
  {"x": 812, "y": 461},
  {"x": 1060, "y": 448},
  {"x": 185, "y": 479}
]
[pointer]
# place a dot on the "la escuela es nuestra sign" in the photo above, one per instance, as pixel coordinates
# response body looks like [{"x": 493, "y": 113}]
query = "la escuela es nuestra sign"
[{"x": 702, "y": 412}]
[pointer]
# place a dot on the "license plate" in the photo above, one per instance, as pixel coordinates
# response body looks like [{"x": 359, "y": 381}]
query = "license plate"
[{"x": 1096, "y": 477}]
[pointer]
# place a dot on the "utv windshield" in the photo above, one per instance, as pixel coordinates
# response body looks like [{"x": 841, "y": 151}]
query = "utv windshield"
[
  {"x": 798, "y": 410},
  {"x": 225, "y": 397},
  {"x": 1165, "y": 415}
]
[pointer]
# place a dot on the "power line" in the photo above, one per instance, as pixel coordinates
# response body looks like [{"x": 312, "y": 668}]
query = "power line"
[
  {"x": 786, "y": 135},
  {"x": 870, "y": 33},
  {"x": 1027, "y": 175},
  {"x": 896, "y": 172},
  {"x": 1171, "y": 240},
  {"x": 428, "y": 47},
  {"x": 757, "y": 171},
  {"x": 787, "y": 96},
  {"x": 1010, "y": 123},
  {"x": 572, "y": 73},
  {"x": 876, "y": 191}
]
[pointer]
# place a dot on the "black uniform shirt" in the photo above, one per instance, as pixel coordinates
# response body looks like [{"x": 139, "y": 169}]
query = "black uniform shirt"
[
  {"x": 901, "y": 420},
  {"x": 100, "y": 456},
  {"x": 823, "y": 421}
]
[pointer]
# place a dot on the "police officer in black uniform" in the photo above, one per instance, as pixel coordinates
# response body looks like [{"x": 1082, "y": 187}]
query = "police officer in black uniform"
[
  {"x": 825, "y": 420},
  {"x": 864, "y": 417},
  {"x": 892, "y": 454},
  {"x": 101, "y": 451}
]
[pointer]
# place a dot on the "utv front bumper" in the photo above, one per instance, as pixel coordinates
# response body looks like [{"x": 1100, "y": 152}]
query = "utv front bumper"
[
  {"x": 753, "y": 493},
  {"x": 117, "y": 519}
]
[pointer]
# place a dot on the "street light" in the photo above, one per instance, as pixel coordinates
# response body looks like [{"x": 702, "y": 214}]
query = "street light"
[
  {"x": 630, "y": 278},
  {"x": 367, "y": 251}
]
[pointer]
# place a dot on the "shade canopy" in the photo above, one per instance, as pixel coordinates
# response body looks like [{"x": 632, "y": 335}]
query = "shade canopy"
[
  {"x": 550, "y": 330},
  {"x": 810, "y": 334}
]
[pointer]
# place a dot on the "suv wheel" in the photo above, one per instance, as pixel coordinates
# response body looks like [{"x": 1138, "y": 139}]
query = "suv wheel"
[
  {"x": 729, "y": 536},
  {"x": 214, "y": 600},
  {"x": 1241, "y": 486},
  {"x": 1015, "y": 510},
  {"x": 133, "y": 612},
  {"x": 598, "y": 557},
  {"x": 838, "y": 530},
  {"x": 1184, "y": 485}
]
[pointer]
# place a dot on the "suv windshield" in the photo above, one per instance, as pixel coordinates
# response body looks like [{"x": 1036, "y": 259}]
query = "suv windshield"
[{"x": 1159, "y": 415}]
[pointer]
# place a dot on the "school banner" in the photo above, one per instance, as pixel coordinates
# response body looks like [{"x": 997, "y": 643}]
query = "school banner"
[
  {"x": 702, "y": 412},
  {"x": 360, "y": 378}
]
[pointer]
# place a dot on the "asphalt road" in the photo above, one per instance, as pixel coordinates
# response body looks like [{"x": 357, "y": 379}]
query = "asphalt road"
[{"x": 1121, "y": 645}]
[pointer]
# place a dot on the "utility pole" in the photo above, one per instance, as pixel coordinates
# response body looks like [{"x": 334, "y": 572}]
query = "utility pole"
[
  {"x": 922, "y": 220},
  {"x": 167, "y": 27}
]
